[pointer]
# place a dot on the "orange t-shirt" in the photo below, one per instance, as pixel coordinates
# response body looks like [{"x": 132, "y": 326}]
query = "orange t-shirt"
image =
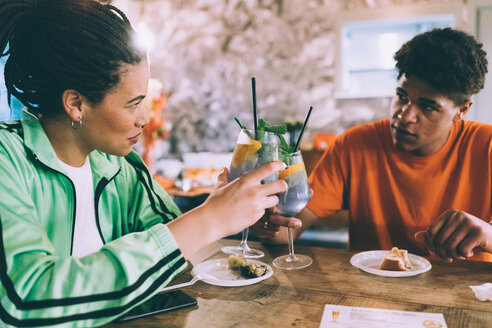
[{"x": 391, "y": 194}]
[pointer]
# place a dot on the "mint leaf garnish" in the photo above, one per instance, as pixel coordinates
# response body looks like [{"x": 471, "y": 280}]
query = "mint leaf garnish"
[
  {"x": 278, "y": 130},
  {"x": 244, "y": 128}
]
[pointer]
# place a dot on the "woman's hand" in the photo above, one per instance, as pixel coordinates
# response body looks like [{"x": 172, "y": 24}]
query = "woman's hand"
[
  {"x": 457, "y": 235},
  {"x": 230, "y": 208},
  {"x": 236, "y": 205}
]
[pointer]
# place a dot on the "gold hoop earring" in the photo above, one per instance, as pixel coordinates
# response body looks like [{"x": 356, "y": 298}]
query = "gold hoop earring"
[{"x": 76, "y": 127}]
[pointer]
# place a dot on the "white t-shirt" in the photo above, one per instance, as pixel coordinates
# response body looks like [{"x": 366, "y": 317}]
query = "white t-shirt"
[{"x": 86, "y": 238}]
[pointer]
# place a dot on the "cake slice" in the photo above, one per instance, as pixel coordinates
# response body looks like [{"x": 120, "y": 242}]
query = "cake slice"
[{"x": 396, "y": 260}]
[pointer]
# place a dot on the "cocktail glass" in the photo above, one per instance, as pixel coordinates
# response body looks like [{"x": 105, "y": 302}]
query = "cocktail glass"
[
  {"x": 252, "y": 151},
  {"x": 292, "y": 202}
]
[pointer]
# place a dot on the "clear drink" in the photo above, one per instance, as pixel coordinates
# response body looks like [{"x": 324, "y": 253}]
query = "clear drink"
[
  {"x": 292, "y": 202},
  {"x": 251, "y": 152},
  {"x": 297, "y": 196}
]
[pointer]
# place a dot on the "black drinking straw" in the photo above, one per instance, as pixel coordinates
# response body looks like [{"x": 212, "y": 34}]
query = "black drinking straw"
[
  {"x": 255, "y": 115},
  {"x": 302, "y": 129}
]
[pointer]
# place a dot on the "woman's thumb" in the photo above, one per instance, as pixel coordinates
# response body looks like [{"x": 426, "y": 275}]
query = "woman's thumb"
[{"x": 222, "y": 178}]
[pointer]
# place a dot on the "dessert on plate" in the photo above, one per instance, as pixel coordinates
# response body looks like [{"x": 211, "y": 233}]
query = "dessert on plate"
[{"x": 396, "y": 260}]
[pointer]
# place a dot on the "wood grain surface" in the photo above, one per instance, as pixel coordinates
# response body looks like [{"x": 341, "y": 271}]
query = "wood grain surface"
[{"x": 296, "y": 298}]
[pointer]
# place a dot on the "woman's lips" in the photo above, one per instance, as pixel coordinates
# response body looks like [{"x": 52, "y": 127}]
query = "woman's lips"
[{"x": 134, "y": 139}]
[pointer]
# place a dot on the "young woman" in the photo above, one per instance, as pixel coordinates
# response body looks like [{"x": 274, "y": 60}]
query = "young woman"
[{"x": 85, "y": 232}]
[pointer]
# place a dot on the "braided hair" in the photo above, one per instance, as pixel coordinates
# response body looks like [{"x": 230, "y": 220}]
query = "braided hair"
[
  {"x": 450, "y": 61},
  {"x": 55, "y": 45}
]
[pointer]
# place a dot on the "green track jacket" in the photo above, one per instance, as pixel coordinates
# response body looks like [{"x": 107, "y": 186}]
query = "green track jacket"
[{"x": 41, "y": 283}]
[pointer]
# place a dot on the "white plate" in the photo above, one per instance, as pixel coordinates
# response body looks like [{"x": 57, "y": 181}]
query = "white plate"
[
  {"x": 226, "y": 277},
  {"x": 369, "y": 262}
]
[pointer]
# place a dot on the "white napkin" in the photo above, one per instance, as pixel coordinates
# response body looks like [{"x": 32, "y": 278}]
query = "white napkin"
[{"x": 483, "y": 292}]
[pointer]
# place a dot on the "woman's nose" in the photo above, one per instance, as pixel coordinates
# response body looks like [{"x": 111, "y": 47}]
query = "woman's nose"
[{"x": 143, "y": 119}]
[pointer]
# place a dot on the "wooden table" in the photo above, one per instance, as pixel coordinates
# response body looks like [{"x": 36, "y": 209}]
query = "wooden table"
[{"x": 296, "y": 298}]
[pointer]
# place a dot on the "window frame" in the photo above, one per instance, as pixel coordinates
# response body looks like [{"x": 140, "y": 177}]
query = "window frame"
[{"x": 396, "y": 12}]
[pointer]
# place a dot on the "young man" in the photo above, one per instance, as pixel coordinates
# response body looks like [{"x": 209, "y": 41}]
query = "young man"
[{"x": 421, "y": 180}]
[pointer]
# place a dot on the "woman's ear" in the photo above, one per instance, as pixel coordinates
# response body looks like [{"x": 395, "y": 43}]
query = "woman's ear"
[
  {"x": 462, "y": 110},
  {"x": 72, "y": 104}
]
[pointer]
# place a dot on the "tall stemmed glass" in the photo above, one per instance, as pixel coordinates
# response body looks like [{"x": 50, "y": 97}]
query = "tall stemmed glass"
[
  {"x": 250, "y": 153},
  {"x": 292, "y": 202}
]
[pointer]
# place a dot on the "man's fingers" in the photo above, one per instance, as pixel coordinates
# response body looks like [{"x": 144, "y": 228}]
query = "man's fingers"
[
  {"x": 443, "y": 238},
  {"x": 264, "y": 229},
  {"x": 440, "y": 221},
  {"x": 284, "y": 221},
  {"x": 270, "y": 227},
  {"x": 451, "y": 245},
  {"x": 439, "y": 232},
  {"x": 468, "y": 247},
  {"x": 266, "y": 234},
  {"x": 421, "y": 236},
  {"x": 433, "y": 230}
]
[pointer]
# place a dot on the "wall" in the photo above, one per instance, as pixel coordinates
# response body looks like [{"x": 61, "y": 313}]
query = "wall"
[
  {"x": 206, "y": 52},
  {"x": 481, "y": 109}
]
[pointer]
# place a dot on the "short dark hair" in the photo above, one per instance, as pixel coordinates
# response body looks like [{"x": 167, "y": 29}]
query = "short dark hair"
[
  {"x": 55, "y": 45},
  {"x": 450, "y": 61}
]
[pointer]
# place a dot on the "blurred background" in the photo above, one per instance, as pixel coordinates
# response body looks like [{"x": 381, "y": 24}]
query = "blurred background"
[{"x": 334, "y": 55}]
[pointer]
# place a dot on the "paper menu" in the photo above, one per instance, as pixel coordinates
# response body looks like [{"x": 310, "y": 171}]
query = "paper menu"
[{"x": 338, "y": 316}]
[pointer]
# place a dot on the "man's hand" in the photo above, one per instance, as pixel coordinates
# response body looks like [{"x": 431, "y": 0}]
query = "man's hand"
[
  {"x": 457, "y": 235},
  {"x": 272, "y": 228}
]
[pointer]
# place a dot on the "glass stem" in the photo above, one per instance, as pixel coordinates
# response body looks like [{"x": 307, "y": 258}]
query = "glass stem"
[
  {"x": 292, "y": 256},
  {"x": 244, "y": 241}
]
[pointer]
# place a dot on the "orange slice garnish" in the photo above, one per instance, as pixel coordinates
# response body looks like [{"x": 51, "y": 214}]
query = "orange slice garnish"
[
  {"x": 291, "y": 169},
  {"x": 245, "y": 151}
]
